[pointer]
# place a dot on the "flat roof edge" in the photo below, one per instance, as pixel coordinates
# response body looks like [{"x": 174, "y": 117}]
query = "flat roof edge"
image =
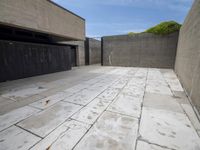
[{"x": 65, "y": 9}]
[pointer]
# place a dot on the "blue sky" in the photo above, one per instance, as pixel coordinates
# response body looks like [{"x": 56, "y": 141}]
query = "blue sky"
[{"x": 112, "y": 17}]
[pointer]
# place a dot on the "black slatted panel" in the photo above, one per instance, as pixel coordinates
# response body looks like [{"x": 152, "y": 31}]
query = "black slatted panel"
[{"x": 20, "y": 60}]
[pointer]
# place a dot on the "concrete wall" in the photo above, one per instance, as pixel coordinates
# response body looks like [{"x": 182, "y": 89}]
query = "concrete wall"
[
  {"x": 42, "y": 16},
  {"x": 140, "y": 50},
  {"x": 93, "y": 50},
  {"x": 187, "y": 64},
  {"x": 80, "y": 51}
]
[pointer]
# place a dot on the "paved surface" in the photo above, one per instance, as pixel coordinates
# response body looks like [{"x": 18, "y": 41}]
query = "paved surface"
[{"x": 98, "y": 108}]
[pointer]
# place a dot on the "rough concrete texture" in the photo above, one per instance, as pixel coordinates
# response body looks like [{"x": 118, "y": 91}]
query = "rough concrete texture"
[
  {"x": 140, "y": 50},
  {"x": 42, "y": 16},
  {"x": 93, "y": 50},
  {"x": 80, "y": 51},
  {"x": 188, "y": 55},
  {"x": 98, "y": 108}
]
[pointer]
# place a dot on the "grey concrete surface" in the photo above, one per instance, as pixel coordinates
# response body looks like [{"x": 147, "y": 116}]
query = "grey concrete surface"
[
  {"x": 42, "y": 16},
  {"x": 98, "y": 108},
  {"x": 80, "y": 51},
  {"x": 93, "y": 51},
  {"x": 188, "y": 55},
  {"x": 140, "y": 50}
]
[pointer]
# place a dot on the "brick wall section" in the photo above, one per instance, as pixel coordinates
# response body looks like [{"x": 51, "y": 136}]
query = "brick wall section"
[{"x": 187, "y": 64}]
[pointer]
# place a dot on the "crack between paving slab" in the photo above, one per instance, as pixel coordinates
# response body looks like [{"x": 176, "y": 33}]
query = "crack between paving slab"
[
  {"x": 191, "y": 120},
  {"x": 29, "y": 132},
  {"x": 182, "y": 106},
  {"x": 146, "y": 141},
  {"x": 122, "y": 114},
  {"x": 66, "y": 92},
  {"x": 105, "y": 110},
  {"x": 48, "y": 148},
  {"x": 49, "y": 132},
  {"x": 61, "y": 123},
  {"x": 139, "y": 120},
  {"x": 97, "y": 94},
  {"x": 15, "y": 124},
  {"x": 49, "y": 89}
]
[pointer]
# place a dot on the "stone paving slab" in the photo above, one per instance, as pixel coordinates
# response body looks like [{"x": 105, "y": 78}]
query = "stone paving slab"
[
  {"x": 51, "y": 100},
  {"x": 5, "y": 101},
  {"x": 111, "y": 132},
  {"x": 83, "y": 97},
  {"x": 156, "y": 83},
  {"x": 77, "y": 88},
  {"x": 99, "y": 108},
  {"x": 192, "y": 116},
  {"x": 126, "y": 105},
  {"x": 87, "y": 115},
  {"x": 65, "y": 137},
  {"x": 168, "y": 129},
  {"x": 109, "y": 94},
  {"x": 100, "y": 103},
  {"x": 172, "y": 80},
  {"x": 15, "y": 138},
  {"x": 46, "y": 121},
  {"x": 164, "y": 102},
  {"x": 23, "y": 93},
  {"x": 157, "y": 88},
  {"x": 146, "y": 146},
  {"x": 20, "y": 103},
  {"x": 15, "y": 116},
  {"x": 181, "y": 97}
]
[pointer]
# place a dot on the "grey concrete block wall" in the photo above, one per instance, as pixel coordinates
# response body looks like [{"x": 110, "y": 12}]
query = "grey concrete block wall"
[
  {"x": 42, "y": 16},
  {"x": 140, "y": 50},
  {"x": 187, "y": 64},
  {"x": 93, "y": 51}
]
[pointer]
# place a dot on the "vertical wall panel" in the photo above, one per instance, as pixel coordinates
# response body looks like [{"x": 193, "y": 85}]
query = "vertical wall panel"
[{"x": 20, "y": 60}]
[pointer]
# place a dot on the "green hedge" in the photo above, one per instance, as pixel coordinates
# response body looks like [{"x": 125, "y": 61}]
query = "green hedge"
[{"x": 165, "y": 28}]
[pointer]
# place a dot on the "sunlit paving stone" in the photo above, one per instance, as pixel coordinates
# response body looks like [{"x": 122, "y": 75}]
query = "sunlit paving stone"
[
  {"x": 168, "y": 129},
  {"x": 122, "y": 109},
  {"x": 146, "y": 146},
  {"x": 65, "y": 136},
  {"x": 15, "y": 138},
  {"x": 51, "y": 100},
  {"x": 23, "y": 93},
  {"x": 49, "y": 119},
  {"x": 112, "y": 131},
  {"x": 77, "y": 88},
  {"x": 109, "y": 94},
  {"x": 15, "y": 116},
  {"x": 158, "y": 89},
  {"x": 99, "y": 103},
  {"x": 172, "y": 80},
  {"x": 126, "y": 105},
  {"x": 161, "y": 101},
  {"x": 87, "y": 115},
  {"x": 192, "y": 116},
  {"x": 83, "y": 97}
]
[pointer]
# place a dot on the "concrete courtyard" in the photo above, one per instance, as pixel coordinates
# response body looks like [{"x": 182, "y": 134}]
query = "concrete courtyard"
[{"x": 98, "y": 108}]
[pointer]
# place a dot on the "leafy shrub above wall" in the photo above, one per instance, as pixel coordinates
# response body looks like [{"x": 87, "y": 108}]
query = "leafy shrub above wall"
[{"x": 163, "y": 28}]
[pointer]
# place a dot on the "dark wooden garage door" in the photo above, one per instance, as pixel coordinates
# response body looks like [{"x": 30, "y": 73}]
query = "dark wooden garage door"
[
  {"x": 20, "y": 60},
  {"x": 73, "y": 56}
]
